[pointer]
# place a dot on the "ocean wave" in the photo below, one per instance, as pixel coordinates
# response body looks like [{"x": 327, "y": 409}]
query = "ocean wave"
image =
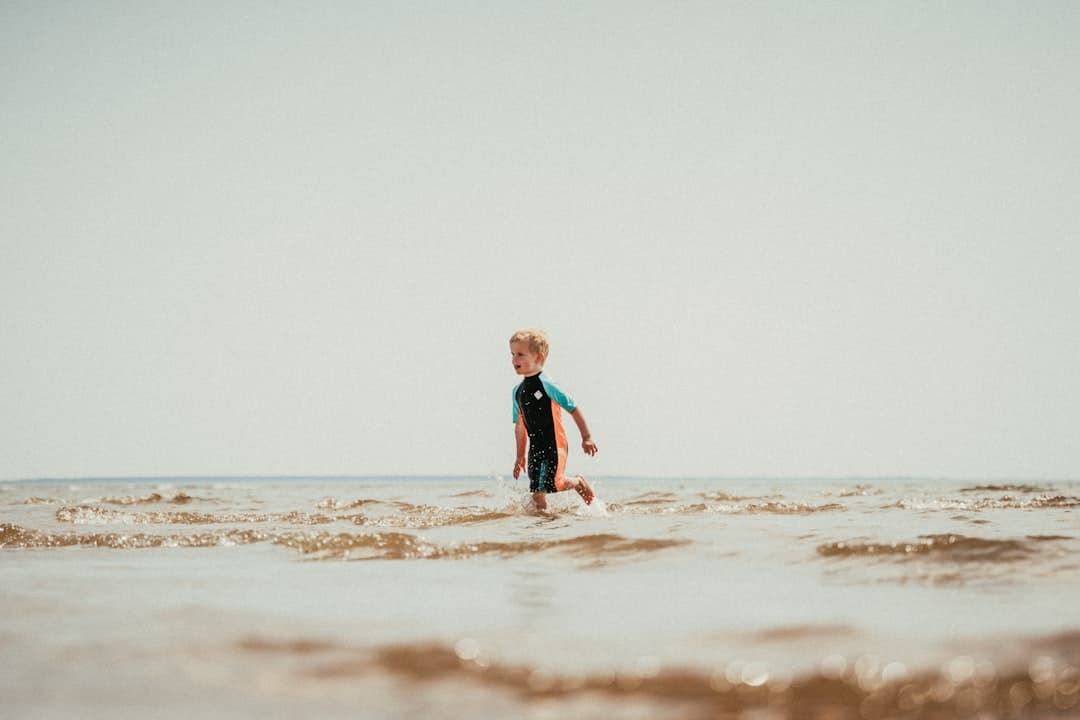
[
  {"x": 596, "y": 550},
  {"x": 14, "y": 536},
  {"x": 91, "y": 515},
  {"x": 331, "y": 503},
  {"x": 472, "y": 493},
  {"x": 856, "y": 491},
  {"x": 417, "y": 517},
  {"x": 651, "y": 498},
  {"x": 1007, "y": 487},
  {"x": 725, "y": 497},
  {"x": 422, "y": 517},
  {"x": 180, "y": 498},
  {"x": 781, "y": 508},
  {"x": 1006, "y": 502},
  {"x": 426, "y": 517},
  {"x": 951, "y": 547},
  {"x": 767, "y": 508}
]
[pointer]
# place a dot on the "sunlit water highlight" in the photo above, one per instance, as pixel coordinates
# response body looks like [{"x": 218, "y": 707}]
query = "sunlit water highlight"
[{"x": 399, "y": 598}]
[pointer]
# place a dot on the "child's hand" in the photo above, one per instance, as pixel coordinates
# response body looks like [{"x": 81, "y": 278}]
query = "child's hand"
[
  {"x": 519, "y": 465},
  {"x": 588, "y": 446}
]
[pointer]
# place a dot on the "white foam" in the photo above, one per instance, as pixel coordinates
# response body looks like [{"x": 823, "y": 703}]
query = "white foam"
[{"x": 597, "y": 508}]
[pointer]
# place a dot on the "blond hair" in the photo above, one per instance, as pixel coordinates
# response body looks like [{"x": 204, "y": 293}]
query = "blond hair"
[{"x": 536, "y": 340}]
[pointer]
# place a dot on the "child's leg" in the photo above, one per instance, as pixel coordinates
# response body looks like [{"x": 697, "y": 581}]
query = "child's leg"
[
  {"x": 543, "y": 475},
  {"x": 581, "y": 485}
]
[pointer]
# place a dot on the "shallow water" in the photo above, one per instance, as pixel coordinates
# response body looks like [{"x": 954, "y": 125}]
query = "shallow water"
[{"x": 403, "y": 597}]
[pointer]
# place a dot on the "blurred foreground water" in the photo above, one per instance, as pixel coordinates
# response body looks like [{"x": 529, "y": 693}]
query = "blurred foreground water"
[{"x": 446, "y": 597}]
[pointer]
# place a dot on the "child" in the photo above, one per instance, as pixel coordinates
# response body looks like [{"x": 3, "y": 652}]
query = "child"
[{"x": 538, "y": 404}]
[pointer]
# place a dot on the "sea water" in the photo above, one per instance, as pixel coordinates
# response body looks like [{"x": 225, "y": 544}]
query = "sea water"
[{"x": 452, "y": 597}]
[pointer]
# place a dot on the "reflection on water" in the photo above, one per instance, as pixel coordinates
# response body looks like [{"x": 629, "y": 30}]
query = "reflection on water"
[{"x": 683, "y": 599}]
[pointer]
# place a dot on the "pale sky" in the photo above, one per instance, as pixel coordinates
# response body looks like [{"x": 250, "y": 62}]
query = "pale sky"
[{"x": 766, "y": 238}]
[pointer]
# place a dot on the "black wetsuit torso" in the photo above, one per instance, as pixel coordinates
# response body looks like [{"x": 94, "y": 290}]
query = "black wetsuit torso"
[{"x": 537, "y": 405}]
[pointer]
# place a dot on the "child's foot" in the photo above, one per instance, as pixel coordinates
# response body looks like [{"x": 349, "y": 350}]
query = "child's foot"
[{"x": 584, "y": 490}]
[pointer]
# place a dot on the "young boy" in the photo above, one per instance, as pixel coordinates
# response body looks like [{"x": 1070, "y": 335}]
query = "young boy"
[{"x": 538, "y": 404}]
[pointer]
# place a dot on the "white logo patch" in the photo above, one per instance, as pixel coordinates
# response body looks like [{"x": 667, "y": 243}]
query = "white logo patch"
[{"x": 538, "y": 394}]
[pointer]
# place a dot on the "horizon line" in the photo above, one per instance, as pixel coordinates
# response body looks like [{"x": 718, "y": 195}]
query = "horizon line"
[{"x": 492, "y": 476}]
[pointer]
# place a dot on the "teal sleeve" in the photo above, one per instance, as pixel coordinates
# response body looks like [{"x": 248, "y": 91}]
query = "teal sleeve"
[
  {"x": 513, "y": 401},
  {"x": 556, "y": 393}
]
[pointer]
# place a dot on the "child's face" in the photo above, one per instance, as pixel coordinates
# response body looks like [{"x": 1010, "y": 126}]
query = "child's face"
[{"x": 526, "y": 362}]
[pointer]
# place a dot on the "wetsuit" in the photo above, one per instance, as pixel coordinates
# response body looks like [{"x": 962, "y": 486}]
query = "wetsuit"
[{"x": 537, "y": 407}]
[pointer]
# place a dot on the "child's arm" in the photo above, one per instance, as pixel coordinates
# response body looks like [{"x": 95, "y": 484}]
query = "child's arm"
[
  {"x": 586, "y": 437},
  {"x": 519, "y": 438}
]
